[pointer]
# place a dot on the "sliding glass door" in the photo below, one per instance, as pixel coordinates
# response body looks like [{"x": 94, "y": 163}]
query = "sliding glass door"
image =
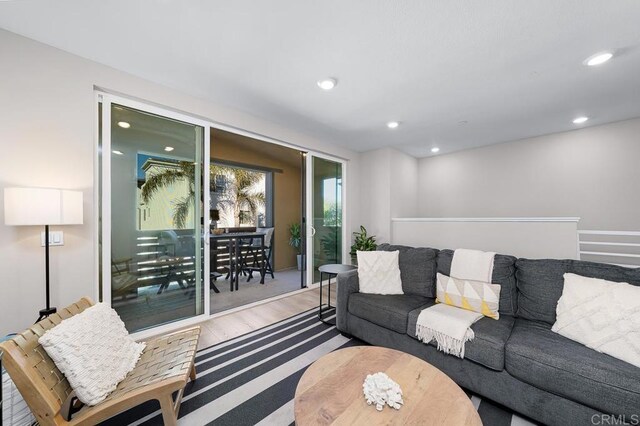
[
  {"x": 153, "y": 194},
  {"x": 326, "y": 214},
  {"x": 158, "y": 191}
]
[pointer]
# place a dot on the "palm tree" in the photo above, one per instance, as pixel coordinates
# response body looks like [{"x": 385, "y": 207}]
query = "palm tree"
[
  {"x": 239, "y": 194},
  {"x": 184, "y": 171}
]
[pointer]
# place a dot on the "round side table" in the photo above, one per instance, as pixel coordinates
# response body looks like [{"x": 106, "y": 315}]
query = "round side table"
[{"x": 331, "y": 270}]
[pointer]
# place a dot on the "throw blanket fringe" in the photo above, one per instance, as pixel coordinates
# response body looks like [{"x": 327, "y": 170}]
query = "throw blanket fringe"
[
  {"x": 446, "y": 344},
  {"x": 448, "y": 325}
]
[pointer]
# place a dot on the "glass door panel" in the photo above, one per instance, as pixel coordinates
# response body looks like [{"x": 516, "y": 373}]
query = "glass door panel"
[
  {"x": 326, "y": 200},
  {"x": 156, "y": 245}
]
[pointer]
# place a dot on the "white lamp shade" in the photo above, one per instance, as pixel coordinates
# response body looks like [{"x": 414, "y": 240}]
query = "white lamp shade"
[{"x": 42, "y": 206}]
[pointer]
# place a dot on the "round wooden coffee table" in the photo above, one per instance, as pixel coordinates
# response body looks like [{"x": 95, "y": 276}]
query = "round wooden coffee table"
[{"x": 330, "y": 391}]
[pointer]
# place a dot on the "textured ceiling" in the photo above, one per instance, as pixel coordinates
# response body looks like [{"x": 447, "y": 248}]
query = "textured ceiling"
[{"x": 457, "y": 73}]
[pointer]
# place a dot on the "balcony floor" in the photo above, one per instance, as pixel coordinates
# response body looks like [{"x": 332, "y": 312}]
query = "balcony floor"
[
  {"x": 253, "y": 291},
  {"x": 147, "y": 308}
]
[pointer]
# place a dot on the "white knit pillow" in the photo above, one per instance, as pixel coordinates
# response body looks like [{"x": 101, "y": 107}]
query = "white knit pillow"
[
  {"x": 93, "y": 350},
  {"x": 602, "y": 315},
  {"x": 379, "y": 272}
]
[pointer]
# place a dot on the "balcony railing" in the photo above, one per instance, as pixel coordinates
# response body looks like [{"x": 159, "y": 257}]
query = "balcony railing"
[
  {"x": 620, "y": 248},
  {"x": 163, "y": 257}
]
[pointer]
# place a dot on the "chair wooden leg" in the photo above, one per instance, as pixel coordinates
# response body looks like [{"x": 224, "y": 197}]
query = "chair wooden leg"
[
  {"x": 192, "y": 375},
  {"x": 168, "y": 412}
]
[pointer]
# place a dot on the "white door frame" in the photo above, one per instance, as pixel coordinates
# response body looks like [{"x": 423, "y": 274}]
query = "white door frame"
[
  {"x": 309, "y": 212},
  {"x": 107, "y": 99}
]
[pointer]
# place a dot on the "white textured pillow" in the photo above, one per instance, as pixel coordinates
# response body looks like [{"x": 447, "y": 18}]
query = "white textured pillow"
[
  {"x": 93, "y": 350},
  {"x": 379, "y": 272},
  {"x": 602, "y": 315}
]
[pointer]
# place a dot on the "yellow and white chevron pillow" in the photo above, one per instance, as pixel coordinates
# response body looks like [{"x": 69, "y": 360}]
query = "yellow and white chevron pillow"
[{"x": 476, "y": 296}]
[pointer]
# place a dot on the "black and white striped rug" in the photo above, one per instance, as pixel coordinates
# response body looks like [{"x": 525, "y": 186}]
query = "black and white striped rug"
[{"x": 252, "y": 379}]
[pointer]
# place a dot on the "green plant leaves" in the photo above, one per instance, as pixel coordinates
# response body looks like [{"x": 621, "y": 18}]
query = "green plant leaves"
[{"x": 363, "y": 242}]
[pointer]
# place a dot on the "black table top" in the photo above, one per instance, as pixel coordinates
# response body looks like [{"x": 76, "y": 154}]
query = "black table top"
[
  {"x": 237, "y": 235},
  {"x": 336, "y": 268}
]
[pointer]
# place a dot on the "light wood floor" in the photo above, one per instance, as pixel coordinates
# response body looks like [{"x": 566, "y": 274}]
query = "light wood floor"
[{"x": 226, "y": 327}]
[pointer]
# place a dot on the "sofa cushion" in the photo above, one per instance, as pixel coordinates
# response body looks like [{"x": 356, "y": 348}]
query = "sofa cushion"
[
  {"x": 487, "y": 348},
  {"x": 379, "y": 272},
  {"x": 389, "y": 311},
  {"x": 602, "y": 315},
  {"x": 93, "y": 350},
  {"x": 542, "y": 358},
  {"x": 504, "y": 273},
  {"x": 540, "y": 283},
  {"x": 417, "y": 269}
]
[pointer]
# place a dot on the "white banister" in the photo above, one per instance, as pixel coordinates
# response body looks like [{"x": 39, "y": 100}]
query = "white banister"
[
  {"x": 619, "y": 233},
  {"x": 604, "y": 253},
  {"x": 485, "y": 219},
  {"x": 604, "y": 243},
  {"x": 610, "y": 239}
]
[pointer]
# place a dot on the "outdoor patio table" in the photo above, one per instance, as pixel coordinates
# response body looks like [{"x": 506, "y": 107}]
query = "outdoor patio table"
[{"x": 234, "y": 250}]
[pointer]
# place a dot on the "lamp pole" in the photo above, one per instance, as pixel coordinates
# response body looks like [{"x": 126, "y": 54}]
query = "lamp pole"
[{"x": 44, "y": 313}]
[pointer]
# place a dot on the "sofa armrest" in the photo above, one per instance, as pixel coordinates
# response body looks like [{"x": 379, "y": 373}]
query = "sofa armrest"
[{"x": 347, "y": 284}]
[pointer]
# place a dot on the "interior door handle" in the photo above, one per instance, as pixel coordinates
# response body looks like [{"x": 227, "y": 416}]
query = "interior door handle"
[{"x": 313, "y": 231}]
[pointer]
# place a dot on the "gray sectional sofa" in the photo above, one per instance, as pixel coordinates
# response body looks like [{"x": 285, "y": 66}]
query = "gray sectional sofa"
[{"x": 516, "y": 361}]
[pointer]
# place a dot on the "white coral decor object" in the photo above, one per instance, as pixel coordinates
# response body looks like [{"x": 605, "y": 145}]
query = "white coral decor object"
[{"x": 379, "y": 390}]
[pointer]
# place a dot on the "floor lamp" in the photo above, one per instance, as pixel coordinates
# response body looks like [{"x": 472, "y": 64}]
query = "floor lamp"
[{"x": 44, "y": 207}]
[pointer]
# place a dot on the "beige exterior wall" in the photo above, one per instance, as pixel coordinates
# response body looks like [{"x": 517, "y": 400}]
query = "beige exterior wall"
[{"x": 287, "y": 201}]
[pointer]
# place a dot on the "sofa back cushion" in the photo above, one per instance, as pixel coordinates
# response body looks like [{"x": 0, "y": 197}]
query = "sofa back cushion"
[
  {"x": 540, "y": 283},
  {"x": 504, "y": 269},
  {"x": 417, "y": 269}
]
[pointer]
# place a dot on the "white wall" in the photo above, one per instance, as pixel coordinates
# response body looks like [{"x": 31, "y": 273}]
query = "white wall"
[
  {"x": 539, "y": 238},
  {"x": 592, "y": 173},
  {"x": 47, "y": 137},
  {"x": 389, "y": 189},
  {"x": 404, "y": 184}
]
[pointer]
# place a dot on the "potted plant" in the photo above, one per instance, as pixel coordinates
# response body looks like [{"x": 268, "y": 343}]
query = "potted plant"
[
  {"x": 362, "y": 242},
  {"x": 295, "y": 241}
]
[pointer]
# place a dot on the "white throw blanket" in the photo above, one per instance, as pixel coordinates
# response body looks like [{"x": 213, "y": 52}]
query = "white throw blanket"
[
  {"x": 448, "y": 325},
  {"x": 472, "y": 265}
]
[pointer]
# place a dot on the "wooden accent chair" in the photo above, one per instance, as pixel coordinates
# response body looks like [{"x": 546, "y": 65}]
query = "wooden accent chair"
[{"x": 165, "y": 366}]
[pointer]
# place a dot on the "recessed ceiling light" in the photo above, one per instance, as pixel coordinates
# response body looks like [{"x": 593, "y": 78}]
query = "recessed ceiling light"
[
  {"x": 393, "y": 124},
  {"x": 327, "y": 83},
  {"x": 435, "y": 149},
  {"x": 168, "y": 148},
  {"x": 124, "y": 124},
  {"x": 580, "y": 120},
  {"x": 598, "y": 58},
  {"x": 115, "y": 151}
]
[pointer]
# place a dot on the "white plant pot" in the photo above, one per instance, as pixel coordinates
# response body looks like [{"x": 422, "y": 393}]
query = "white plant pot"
[{"x": 300, "y": 259}]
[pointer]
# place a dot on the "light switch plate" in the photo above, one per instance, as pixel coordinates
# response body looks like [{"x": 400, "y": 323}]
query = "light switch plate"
[{"x": 56, "y": 238}]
